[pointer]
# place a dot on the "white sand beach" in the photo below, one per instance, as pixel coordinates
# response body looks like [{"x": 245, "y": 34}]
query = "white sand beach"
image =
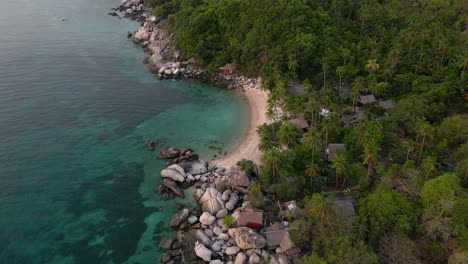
[{"x": 248, "y": 148}]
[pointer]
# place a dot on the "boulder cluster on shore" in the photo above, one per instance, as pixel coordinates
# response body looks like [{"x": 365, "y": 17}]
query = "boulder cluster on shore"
[
  {"x": 203, "y": 234},
  {"x": 164, "y": 59}
]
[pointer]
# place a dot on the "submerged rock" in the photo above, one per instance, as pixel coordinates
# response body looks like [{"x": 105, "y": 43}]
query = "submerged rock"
[
  {"x": 171, "y": 185},
  {"x": 179, "y": 218}
]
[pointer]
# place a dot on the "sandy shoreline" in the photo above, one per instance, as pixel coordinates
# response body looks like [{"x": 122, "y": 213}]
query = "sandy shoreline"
[{"x": 248, "y": 148}]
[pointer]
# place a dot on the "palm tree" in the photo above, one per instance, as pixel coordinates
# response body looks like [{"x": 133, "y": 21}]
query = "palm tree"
[
  {"x": 424, "y": 129},
  {"x": 287, "y": 134},
  {"x": 409, "y": 145},
  {"x": 271, "y": 161},
  {"x": 339, "y": 163},
  {"x": 313, "y": 106},
  {"x": 370, "y": 155},
  {"x": 372, "y": 66},
  {"x": 268, "y": 139},
  {"x": 312, "y": 170},
  {"x": 340, "y": 70},
  {"x": 329, "y": 125},
  {"x": 324, "y": 69},
  {"x": 312, "y": 139},
  {"x": 322, "y": 209},
  {"x": 428, "y": 165}
]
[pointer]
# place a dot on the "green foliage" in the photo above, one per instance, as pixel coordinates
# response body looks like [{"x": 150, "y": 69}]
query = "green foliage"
[
  {"x": 388, "y": 211},
  {"x": 460, "y": 215},
  {"x": 229, "y": 221},
  {"x": 344, "y": 249},
  {"x": 443, "y": 188},
  {"x": 247, "y": 165},
  {"x": 313, "y": 259},
  {"x": 255, "y": 195}
]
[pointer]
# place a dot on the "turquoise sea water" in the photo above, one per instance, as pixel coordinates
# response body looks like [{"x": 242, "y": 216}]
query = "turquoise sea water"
[{"x": 77, "y": 184}]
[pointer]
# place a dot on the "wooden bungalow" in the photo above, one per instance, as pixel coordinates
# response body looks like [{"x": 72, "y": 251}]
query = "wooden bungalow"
[
  {"x": 389, "y": 104},
  {"x": 367, "y": 99},
  {"x": 277, "y": 235},
  {"x": 228, "y": 69},
  {"x": 296, "y": 88},
  {"x": 292, "y": 208},
  {"x": 300, "y": 123},
  {"x": 250, "y": 218}
]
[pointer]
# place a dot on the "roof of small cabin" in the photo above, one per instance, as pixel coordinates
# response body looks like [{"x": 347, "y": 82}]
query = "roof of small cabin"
[
  {"x": 334, "y": 148},
  {"x": 299, "y": 122},
  {"x": 274, "y": 238},
  {"x": 293, "y": 208},
  {"x": 387, "y": 104},
  {"x": 229, "y": 66},
  {"x": 296, "y": 88},
  {"x": 286, "y": 242},
  {"x": 346, "y": 207},
  {"x": 367, "y": 99},
  {"x": 252, "y": 216}
]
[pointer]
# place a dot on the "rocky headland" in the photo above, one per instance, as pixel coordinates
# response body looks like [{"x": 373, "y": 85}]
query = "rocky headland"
[{"x": 217, "y": 230}]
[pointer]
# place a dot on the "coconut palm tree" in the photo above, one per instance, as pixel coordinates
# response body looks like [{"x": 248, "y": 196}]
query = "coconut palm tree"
[
  {"x": 424, "y": 129},
  {"x": 428, "y": 165},
  {"x": 287, "y": 134},
  {"x": 409, "y": 145},
  {"x": 339, "y": 164},
  {"x": 322, "y": 209},
  {"x": 370, "y": 155},
  {"x": 312, "y": 170},
  {"x": 312, "y": 140},
  {"x": 372, "y": 66},
  {"x": 271, "y": 161}
]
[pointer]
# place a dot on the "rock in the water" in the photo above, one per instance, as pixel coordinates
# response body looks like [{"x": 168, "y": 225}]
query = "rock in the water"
[
  {"x": 232, "y": 250},
  {"x": 241, "y": 258},
  {"x": 254, "y": 259},
  {"x": 216, "y": 261},
  {"x": 170, "y": 153},
  {"x": 233, "y": 200},
  {"x": 169, "y": 183},
  {"x": 167, "y": 242},
  {"x": 207, "y": 219},
  {"x": 177, "y": 168},
  {"x": 202, "y": 237},
  {"x": 179, "y": 218},
  {"x": 246, "y": 238},
  {"x": 198, "y": 194},
  {"x": 194, "y": 167},
  {"x": 202, "y": 252},
  {"x": 174, "y": 174},
  {"x": 192, "y": 220}
]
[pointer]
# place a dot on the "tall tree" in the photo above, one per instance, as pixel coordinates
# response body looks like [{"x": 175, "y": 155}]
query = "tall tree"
[
  {"x": 370, "y": 156},
  {"x": 312, "y": 140},
  {"x": 339, "y": 164}
]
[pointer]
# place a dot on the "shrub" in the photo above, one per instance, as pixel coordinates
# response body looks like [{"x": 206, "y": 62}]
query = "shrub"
[{"x": 229, "y": 221}]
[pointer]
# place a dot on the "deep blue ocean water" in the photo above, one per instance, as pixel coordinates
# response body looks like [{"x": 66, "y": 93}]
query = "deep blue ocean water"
[{"x": 77, "y": 184}]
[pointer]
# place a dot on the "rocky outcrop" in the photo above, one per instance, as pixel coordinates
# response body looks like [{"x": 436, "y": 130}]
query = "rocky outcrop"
[
  {"x": 211, "y": 201},
  {"x": 171, "y": 185},
  {"x": 246, "y": 238},
  {"x": 207, "y": 219},
  {"x": 175, "y": 172},
  {"x": 179, "y": 218},
  {"x": 202, "y": 252},
  {"x": 194, "y": 167}
]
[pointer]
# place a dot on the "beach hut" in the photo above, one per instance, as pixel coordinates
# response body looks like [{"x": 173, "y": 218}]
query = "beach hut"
[
  {"x": 345, "y": 206},
  {"x": 249, "y": 217},
  {"x": 367, "y": 99},
  {"x": 389, "y": 104},
  {"x": 296, "y": 88},
  {"x": 278, "y": 236},
  {"x": 292, "y": 208},
  {"x": 333, "y": 149},
  {"x": 300, "y": 123},
  {"x": 228, "y": 69}
]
